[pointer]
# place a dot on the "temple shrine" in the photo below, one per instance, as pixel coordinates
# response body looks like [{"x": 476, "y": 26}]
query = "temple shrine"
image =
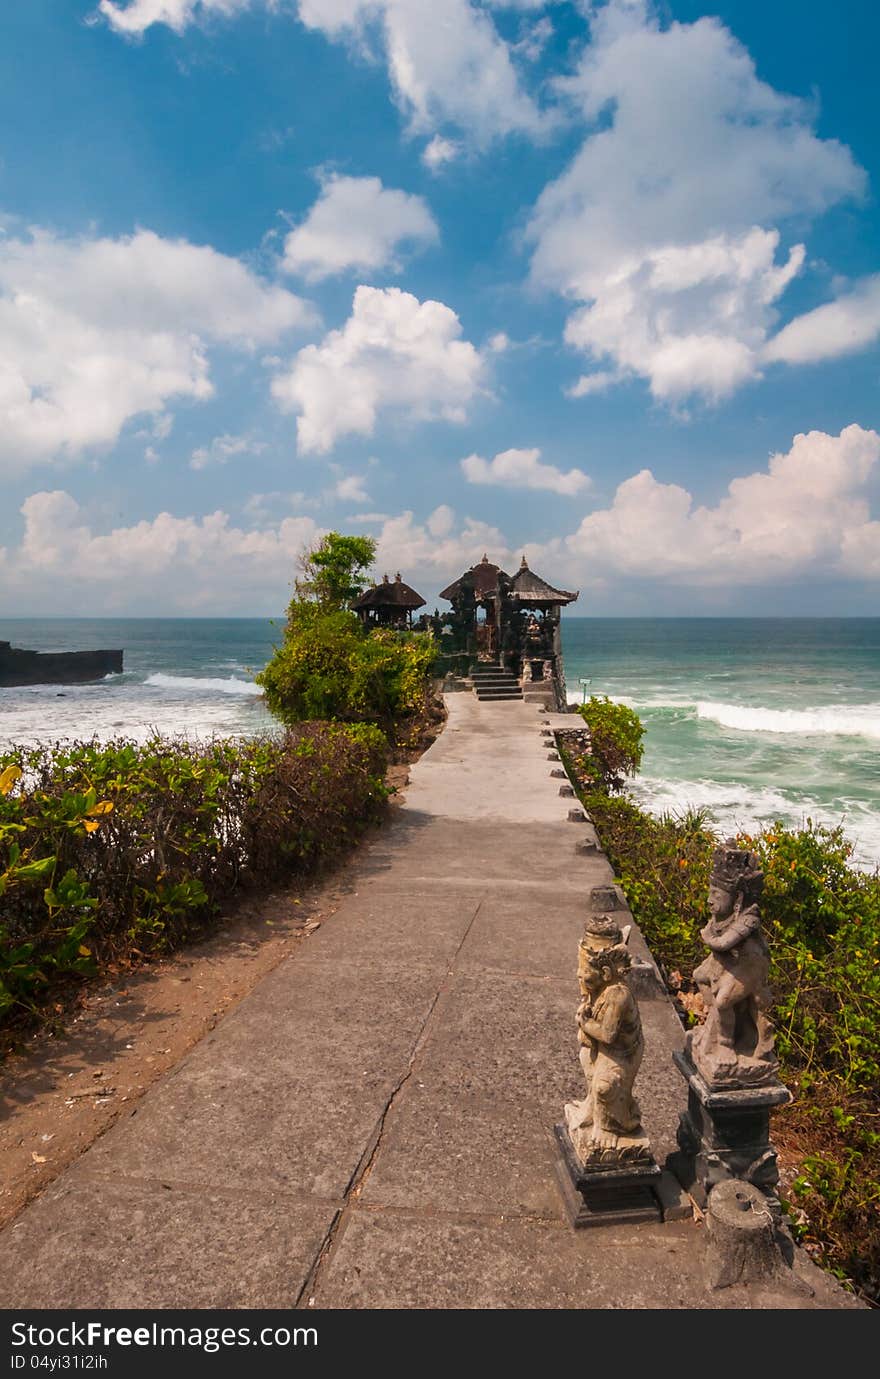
[
  {"x": 503, "y": 632},
  {"x": 389, "y": 604}
]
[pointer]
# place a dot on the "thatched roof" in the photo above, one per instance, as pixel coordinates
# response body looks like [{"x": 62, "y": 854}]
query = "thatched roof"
[
  {"x": 486, "y": 579},
  {"x": 530, "y": 589},
  {"x": 389, "y": 594}
]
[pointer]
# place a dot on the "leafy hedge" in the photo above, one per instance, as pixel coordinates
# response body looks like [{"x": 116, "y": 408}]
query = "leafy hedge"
[
  {"x": 328, "y": 666},
  {"x": 118, "y": 849},
  {"x": 822, "y": 919},
  {"x": 611, "y": 747}
]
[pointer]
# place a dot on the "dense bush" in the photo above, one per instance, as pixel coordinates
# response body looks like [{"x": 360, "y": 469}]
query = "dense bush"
[
  {"x": 329, "y": 667},
  {"x": 118, "y": 849},
  {"x": 663, "y": 867},
  {"x": 822, "y": 919},
  {"x": 612, "y": 748}
]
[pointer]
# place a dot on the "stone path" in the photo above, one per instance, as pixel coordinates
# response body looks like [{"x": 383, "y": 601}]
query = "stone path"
[{"x": 371, "y": 1126}]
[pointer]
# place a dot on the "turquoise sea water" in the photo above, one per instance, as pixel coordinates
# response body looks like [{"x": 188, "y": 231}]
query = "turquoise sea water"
[{"x": 755, "y": 718}]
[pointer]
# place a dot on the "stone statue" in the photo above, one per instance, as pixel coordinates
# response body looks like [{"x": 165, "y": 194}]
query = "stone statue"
[
  {"x": 734, "y": 1048},
  {"x": 605, "y": 1128}
]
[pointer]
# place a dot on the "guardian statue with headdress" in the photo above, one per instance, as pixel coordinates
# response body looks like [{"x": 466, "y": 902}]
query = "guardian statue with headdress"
[{"x": 735, "y": 1046}]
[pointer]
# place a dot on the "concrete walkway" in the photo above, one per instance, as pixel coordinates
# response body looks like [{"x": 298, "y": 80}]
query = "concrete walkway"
[{"x": 371, "y": 1126}]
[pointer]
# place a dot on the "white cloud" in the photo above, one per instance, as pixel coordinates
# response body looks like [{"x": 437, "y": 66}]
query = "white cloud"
[
  {"x": 223, "y": 448},
  {"x": 840, "y": 327},
  {"x": 523, "y": 469},
  {"x": 162, "y": 426},
  {"x": 441, "y": 520},
  {"x": 499, "y": 342},
  {"x": 138, "y": 15},
  {"x": 351, "y": 487},
  {"x": 440, "y": 151},
  {"x": 209, "y": 564},
  {"x": 393, "y": 353},
  {"x": 690, "y": 319},
  {"x": 805, "y": 514},
  {"x": 96, "y": 331},
  {"x": 665, "y": 224},
  {"x": 534, "y": 37},
  {"x": 264, "y": 508},
  {"x": 356, "y": 223},
  {"x": 589, "y": 383},
  {"x": 437, "y": 555},
  {"x": 182, "y": 563},
  {"x": 446, "y": 61}
]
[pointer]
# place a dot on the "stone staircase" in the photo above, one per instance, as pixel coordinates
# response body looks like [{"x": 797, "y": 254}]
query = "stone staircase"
[{"x": 491, "y": 681}]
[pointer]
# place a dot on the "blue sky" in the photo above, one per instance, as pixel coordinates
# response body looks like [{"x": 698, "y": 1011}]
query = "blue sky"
[{"x": 600, "y": 283}]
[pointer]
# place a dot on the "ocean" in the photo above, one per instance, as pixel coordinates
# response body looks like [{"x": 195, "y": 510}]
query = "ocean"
[{"x": 754, "y": 719}]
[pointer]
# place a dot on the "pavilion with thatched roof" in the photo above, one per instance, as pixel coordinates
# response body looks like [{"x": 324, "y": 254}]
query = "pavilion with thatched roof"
[
  {"x": 389, "y": 604},
  {"x": 512, "y": 621}
]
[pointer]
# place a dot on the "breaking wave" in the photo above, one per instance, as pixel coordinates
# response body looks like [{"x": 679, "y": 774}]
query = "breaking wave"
[
  {"x": 844, "y": 720},
  {"x": 203, "y": 684},
  {"x": 838, "y": 720},
  {"x": 736, "y": 806}
]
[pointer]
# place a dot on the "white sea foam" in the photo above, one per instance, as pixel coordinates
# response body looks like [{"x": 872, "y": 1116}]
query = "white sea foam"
[
  {"x": 843, "y": 720},
  {"x": 839, "y": 720},
  {"x": 735, "y": 807},
  {"x": 202, "y": 684}
]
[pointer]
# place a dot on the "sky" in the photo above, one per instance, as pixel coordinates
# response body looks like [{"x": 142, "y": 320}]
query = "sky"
[{"x": 597, "y": 283}]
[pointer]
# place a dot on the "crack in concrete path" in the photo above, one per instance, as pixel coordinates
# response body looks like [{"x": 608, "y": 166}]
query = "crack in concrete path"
[{"x": 306, "y": 1295}]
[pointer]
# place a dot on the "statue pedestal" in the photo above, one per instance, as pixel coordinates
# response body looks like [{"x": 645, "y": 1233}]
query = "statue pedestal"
[
  {"x": 611, "y": 1194},
  {"x": 725, "y": 1133}
]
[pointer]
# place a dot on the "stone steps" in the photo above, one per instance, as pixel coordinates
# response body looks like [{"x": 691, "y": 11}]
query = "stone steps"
[{"x": 492, "y": 682}]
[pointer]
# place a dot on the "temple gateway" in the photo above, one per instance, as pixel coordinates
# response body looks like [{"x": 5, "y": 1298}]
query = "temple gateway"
[
  {"x": 507, "y": 626},
  {"x": 503, "y": 631}
]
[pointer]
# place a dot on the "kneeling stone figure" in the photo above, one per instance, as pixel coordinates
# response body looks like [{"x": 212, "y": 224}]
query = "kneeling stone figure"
[{"x": 606, "y": 1126}]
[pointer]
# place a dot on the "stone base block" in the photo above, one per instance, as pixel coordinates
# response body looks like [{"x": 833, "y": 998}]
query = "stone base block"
[
  {"x": 607, "y": 1196},
  {"x": 725, "y": 1135}
]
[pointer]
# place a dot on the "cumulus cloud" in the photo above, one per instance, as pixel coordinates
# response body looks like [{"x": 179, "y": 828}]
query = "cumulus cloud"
[
  {"x": 209, "y": 564},
  {"x": 499, "y": 342},
  {"x": 589, "y": 383},
  {"x": 187, "y": 563},
  {"x": 356, "y": 223},
  {"x": 394, "y": 353},
  {"x": 435, "y": 550},
  {"x": 223, "y": 448},
  {"x": 439, "y": 151},
  {"x": 806, "y": 513},
  {"x": 351, "y": 487},
  {"x": 840, "y": 327},
  {"x": 523, "y": 469},
  {"x": 96, "y": 331},
  {"x": 446, "y": 61},
  {"x": 666, "y": 223},
  {"x": 139, "y": 15}
]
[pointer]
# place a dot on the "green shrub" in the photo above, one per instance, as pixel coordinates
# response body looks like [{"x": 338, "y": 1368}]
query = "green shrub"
[
  {"x": 119, "y": 850},
  {"x": 614, "y": 747},
  {"x": 822, "y": 920},
  {"x": 329, "y": 667},
  {"x": 663, "y": 867}
]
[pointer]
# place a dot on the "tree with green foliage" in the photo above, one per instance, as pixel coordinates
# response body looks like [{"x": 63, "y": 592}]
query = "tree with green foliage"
[
  {"x": 329, "y": 666},
  {"x": 334, "y": 572}
]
